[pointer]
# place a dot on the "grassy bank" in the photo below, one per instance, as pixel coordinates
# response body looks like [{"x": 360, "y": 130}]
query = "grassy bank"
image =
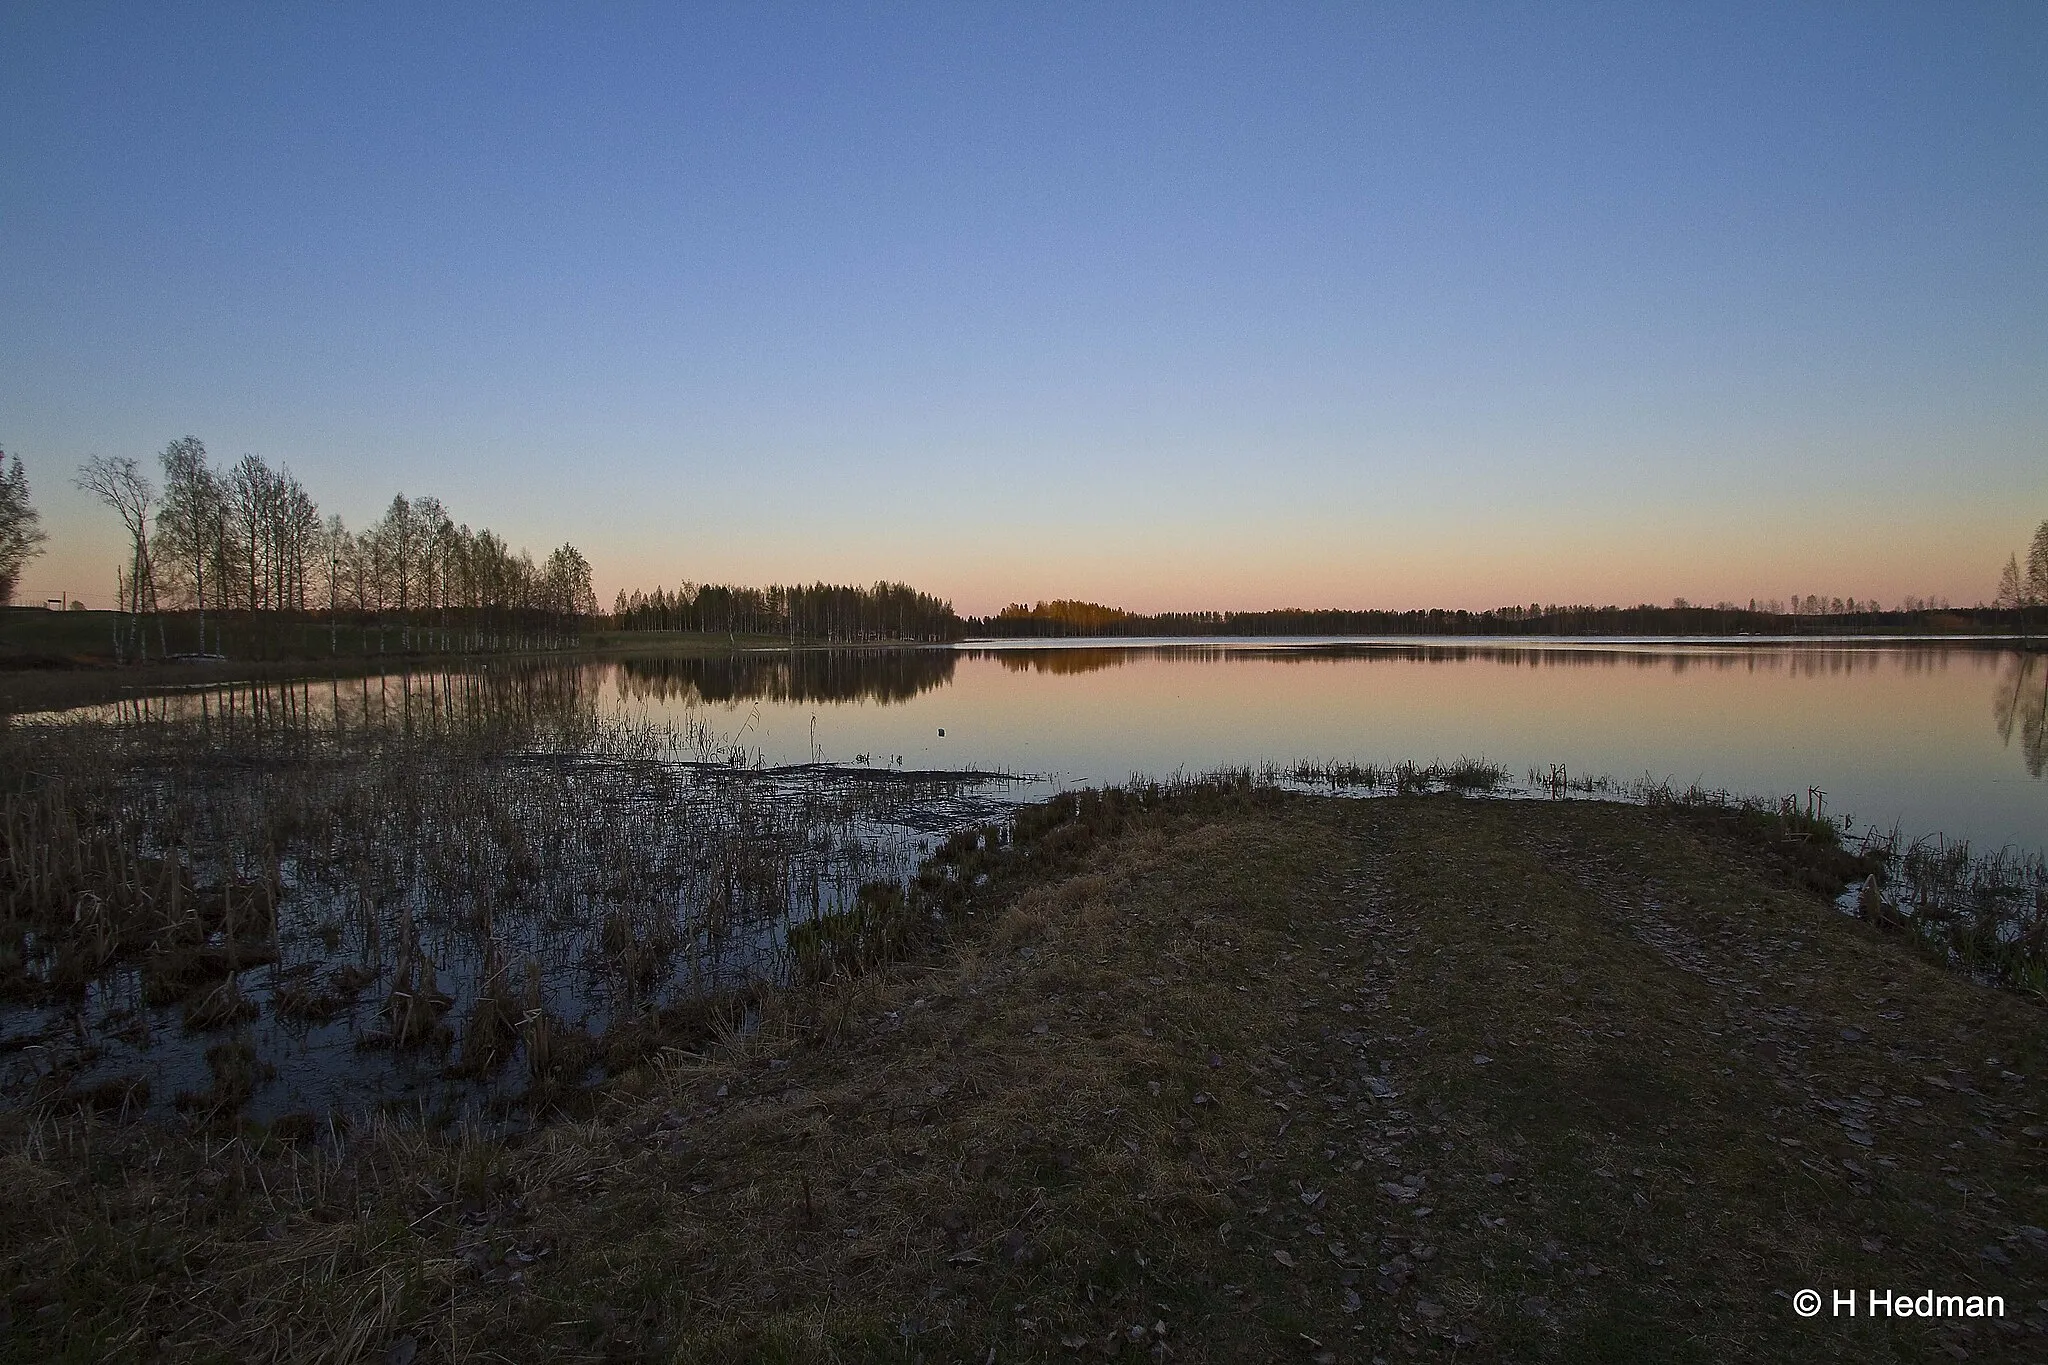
[{"x": 1223, "y": 1075}]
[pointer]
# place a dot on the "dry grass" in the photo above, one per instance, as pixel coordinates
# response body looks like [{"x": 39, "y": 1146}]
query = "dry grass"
[{"x": 1181, "y": 1085}]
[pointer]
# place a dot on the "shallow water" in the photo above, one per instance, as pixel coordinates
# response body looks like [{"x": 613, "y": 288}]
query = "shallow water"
[{"x": 487, "y": 834}]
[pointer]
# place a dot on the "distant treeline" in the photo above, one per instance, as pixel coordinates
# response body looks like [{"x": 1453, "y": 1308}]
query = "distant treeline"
[
  {"x": 1814, "y": 616},
  {"x": 821, "y": 611}
]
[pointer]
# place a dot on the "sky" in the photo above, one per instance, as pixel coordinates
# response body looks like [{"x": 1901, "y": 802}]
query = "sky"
[{"x": 1169, "y": 306}]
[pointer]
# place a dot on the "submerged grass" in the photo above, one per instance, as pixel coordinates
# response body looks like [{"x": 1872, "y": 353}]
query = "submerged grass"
[
  {"x": 1986, "y": 913},
  {"x": 1474, "y": 775},
  {"x": 400, "y": 875},
  {"x": 1202, "y": 1072}
]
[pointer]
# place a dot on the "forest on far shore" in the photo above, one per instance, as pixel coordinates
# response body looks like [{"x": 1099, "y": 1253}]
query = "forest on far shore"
[{"x": 1840, "y": 617}]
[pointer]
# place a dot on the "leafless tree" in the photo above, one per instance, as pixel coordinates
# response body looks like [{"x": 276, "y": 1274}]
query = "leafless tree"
[
  {"x": 334, "y": 556},
  {"x": 188, "y": 524},
  {"x": 2037, "y": 568},
  {"x": 2012, "y": 592},
  {"x": 295, "y": 531},
  {"x": 121, "y": 485},
  {"x": 250, "y": 494}
]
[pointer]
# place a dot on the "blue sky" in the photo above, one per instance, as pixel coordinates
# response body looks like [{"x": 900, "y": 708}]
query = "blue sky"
[{"x": 1171, "y": 306}]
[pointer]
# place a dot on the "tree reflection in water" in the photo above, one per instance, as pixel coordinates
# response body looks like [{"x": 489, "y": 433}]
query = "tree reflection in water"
[
  {"x": 2022, "y": 703},
  {"x": 820, "y": 675}
]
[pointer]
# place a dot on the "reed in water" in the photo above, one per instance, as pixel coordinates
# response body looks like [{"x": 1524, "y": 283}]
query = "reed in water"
[{"x": 465, "y": 883}]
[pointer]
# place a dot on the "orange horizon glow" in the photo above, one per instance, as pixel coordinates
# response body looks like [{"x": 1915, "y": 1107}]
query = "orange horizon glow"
[{"x": 1959, "y": 563}]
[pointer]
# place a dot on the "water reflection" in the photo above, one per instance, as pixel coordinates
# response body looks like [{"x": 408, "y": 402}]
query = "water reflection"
[
  {"x": 836, "y": 675},
  {"x": 1064, "y": 661},
  {"x": 2021, "y": 703},
  {"x": 1804, "y": 661},
  {"x": 549, "y": 702},
  {"x": 1896, "y": 731},
  {"x": 538, "y": 697},
  {"x": 504, "y": 703}
]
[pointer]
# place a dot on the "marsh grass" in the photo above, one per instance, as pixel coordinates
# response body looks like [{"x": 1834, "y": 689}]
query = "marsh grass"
[
  {"x": 487, "y": 855},
  {"x": 1406, "y": 778},
  {"x": 236, "y": 1070},
  {"x": 1985, "y": 913}
]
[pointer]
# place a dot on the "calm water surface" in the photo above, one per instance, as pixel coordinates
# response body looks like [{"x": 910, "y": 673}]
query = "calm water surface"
[
  {"x": 1929, "y": 737},
  {"x": 1925, "y": 736}
]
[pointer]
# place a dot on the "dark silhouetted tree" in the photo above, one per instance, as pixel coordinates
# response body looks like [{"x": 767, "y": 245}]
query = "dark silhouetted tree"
[
  {"x": 187, "y": 527},
  {"x": 21, "y": 531},
  {"x": 2037, "y": 568},
  {"x": 2012, "y": 591},
  {"x": 121, "y": 485}
]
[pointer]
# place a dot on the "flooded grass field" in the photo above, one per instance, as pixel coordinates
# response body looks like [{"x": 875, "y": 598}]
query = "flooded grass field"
[{"x": 466, "y": 893}]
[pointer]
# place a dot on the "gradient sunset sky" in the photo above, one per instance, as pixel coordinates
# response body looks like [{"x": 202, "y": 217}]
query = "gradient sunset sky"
[{"x": 1169, "y": 306}]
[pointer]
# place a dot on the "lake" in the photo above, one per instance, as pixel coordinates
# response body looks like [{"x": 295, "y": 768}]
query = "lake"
[
  {"x": 1928, "y": 737},
  {"x": 1922, "y": 736}
]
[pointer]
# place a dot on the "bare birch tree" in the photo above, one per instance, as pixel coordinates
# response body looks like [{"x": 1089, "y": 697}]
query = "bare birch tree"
[
  {"x": 121, "y": 485},
  {"x": 188, "y": 524},
  {"x": 334, "y": 556}
]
